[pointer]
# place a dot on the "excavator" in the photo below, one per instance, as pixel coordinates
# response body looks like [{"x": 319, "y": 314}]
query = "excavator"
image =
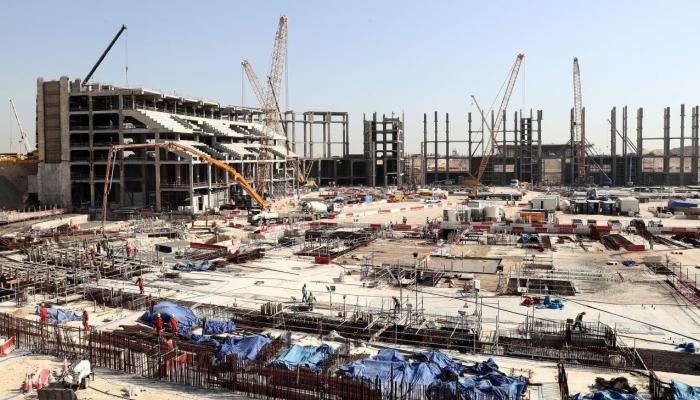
[
  {"x": 176, "y": 148},
  {"x": 474, "y": 182}
]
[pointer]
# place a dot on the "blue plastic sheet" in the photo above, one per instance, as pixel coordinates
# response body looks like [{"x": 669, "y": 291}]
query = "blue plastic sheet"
[
  {"x": 190, "y": 266},
  {"x": 311, "y": 357},
  {"x": 389, "y": 355},
  {"x": 58, "y": 315},
  {"x": 493, "y": 384},
  {"x": 218, "y": 327},
  {"x": 687, "y": 347},
  {"x": 681, "y": 391},
  {"x": 548, "y": 303},
  {"x": 186, "y": 319},
  {"x": 243, "y": 347},
  {"x": 448, "y": 366},
  {"x": 606, "y": 395}
]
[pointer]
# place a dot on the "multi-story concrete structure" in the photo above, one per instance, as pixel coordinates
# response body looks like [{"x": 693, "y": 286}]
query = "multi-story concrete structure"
[{"x": 77, "y": 125}]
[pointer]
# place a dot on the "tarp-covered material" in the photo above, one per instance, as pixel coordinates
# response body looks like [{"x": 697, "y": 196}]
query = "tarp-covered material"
[
  {"x": 186, "y": 319},
  {"x": 555, "y": 304},
  {"x": 58, "y": 315},
  {"x": 389, "y": 355},
  {"x": 681, "y": 391},
  {"x": 311, "y": 357},
  {"x": 243, "y": 347},
  {"x": 483, "y": 367},
  {"x": 190, "y": 266},
  {"x": 606, "y": 395},
  {"x": 493, "y": 384},
  {"x": 416, "y": 373},
  {"x": 673, "y": 204},
  {"x": 212, "y": 327},
  {"x": 445, "y": 363}
]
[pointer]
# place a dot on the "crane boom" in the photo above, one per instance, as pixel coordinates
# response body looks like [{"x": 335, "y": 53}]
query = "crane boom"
[
  {"x": 579, "y": 134},
  {"x": 267, "y": 98},
  {"x": 22, "y": 132},
  {"x": 491, "y": 140},
  {"x": 104, "y": 54},
  {"x": 174, "y": 147}
]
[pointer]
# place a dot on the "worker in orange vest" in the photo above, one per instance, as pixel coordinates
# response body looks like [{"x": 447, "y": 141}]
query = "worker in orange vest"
[
  {"x": 86, "y": 325},
  {"x": 44, "y": 314},
  {"x": 173, "y": 325},
  {"x": 158, "y": 324},
  {"x": 139, "y": 281}
]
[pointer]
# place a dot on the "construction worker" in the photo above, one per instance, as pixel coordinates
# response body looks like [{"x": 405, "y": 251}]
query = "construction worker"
[
  {"x": 158, "y": 324},
  {"x": 44, "y": 314},
  {"x": 128, "y": 251},
  {"x": 397, "y": 305},
  {"x": 173, "y": 325},
  {"x": 311, "y": 301},
  {"x": 303, "y": 294},
  {"x": 86, "y": 325},
  {"x": 139, "y": 281},
  {"x": 405, "y": 220},
  {"x": 579, "y": 320}
]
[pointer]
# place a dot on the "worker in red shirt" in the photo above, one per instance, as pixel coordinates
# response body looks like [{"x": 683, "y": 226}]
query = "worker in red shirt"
[
  {"x": 44, "y": 314},
  {"x": 158, "y": 324},
  {"x": 139, "y": 281},
  {"x": 173, "y": 325},
  {"x": 86, "y": 325}
]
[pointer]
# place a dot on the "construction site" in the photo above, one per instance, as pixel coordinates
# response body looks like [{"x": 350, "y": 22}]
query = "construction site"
[{"x": 154, "y": 246}]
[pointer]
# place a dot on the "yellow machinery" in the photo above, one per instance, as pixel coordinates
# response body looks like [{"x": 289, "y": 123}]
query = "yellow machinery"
[{"x": 175, "y": 147}]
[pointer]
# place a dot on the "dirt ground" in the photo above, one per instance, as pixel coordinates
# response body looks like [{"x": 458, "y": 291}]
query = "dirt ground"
[{"x": 106, "y": 385}]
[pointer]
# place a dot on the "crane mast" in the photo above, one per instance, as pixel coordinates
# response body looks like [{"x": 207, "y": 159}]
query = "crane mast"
[
  {"x": 491, "y": 139},
  {"x": 267, "y": 99},
  {"x": 579, "y": 134},
  {"x": 22, "y": 132}
]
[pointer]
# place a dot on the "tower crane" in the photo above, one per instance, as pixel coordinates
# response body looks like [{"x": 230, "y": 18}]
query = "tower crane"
[
  {"x": 23, "y": 134},
  {"x": 579, "y": 134},
  {"x": 491, "y": 139},
  {"x": 177, "y": 148},
  {"x": 266, "y": 98}
]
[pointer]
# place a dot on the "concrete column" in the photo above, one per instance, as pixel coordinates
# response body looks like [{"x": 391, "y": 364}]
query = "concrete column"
[
  {"x": 436, "y": 147},
  {"x": 424, "y": 150},
  {"x": 613, "y": 145},
  {"x": 191, "y": 186},
  {"x": 640, "y": 151},
  {"x": 311, "y": 136},
  {"x": 694, "y": 142},
  {"x": 667, "y": 145},
  {"x": 682, "y": 160},
  {"x": 157, "y": 173},
  {"x": 447, "y": 145},
  {"x": 625, "y": 173}
]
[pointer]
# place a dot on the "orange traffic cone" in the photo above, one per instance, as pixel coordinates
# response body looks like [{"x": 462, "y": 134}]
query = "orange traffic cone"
[
  {"x": 27, "y": 388},
  {"x": 65, "y": 365}
]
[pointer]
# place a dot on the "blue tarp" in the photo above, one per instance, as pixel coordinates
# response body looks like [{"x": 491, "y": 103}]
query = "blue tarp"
[
  {"x": 445, "y": 363},
  {"x": 190, "y": 266},
  {"x": 606, "y": 395},
  {"x": 387, "y": 371},
  {"x": 185, "y": 317},
  {"x": 681, "y": 391},
  {"x": 57, "y": 315},
  {"x": 688, "y": 347},
  {"x": 311, "y": 357},
  {"x": 243, "y": 347},
  {"x": 498, "y": 386},
  {"x": 389, "y": 355},
  {"x": 218, "y": 327},
  {"x": 555, "y": 304},
  {"x": 483, "y": 367}
]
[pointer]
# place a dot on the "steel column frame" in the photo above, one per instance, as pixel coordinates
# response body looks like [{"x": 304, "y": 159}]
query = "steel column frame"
[
  {"x": 681, "y": 176},
  {"x": 640, "y": 152},
  {"x": 613, "y": 145},
  {"x": 667, "y": 145},
  {"x": 694, "y": 142}
]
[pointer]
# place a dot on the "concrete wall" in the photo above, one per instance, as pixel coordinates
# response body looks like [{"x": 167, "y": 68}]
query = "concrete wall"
[
  {"x": 53, "y": 179},
  {"x": 17, "y": 182}
]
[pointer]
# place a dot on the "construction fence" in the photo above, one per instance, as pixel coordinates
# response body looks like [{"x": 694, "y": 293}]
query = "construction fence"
[{"x": 161, "y": 361}]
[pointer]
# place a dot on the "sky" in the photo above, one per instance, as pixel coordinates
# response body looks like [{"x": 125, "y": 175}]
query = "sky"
[{"x": 409, "y": 57}]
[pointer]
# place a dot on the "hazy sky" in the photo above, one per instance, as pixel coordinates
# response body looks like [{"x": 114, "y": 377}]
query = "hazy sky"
[{"x": 371, "y": 56}]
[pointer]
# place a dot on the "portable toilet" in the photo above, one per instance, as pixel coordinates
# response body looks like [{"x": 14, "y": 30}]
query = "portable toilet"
[{"x": 593, "y": 206}]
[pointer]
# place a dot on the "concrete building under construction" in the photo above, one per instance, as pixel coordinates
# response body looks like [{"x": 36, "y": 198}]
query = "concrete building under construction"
[{"x": 78, "y": 124}]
